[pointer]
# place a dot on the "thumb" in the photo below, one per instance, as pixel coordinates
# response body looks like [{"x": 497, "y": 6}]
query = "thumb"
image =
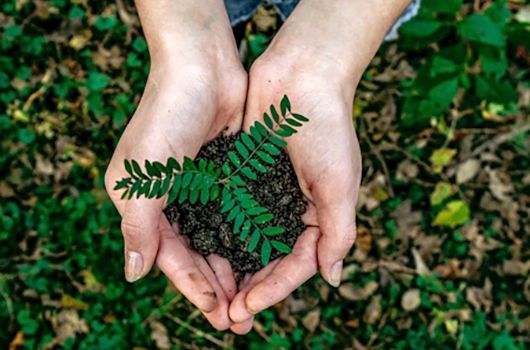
[
  {"x": 139, "y": 227},
  {"x": 336, "y": 219}
]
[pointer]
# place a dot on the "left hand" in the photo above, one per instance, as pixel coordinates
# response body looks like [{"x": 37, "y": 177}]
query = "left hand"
[{"x": 326, "y": 158}]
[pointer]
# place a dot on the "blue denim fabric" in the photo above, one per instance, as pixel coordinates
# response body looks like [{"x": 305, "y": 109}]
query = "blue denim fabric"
[{"x": 241, "y": 10}]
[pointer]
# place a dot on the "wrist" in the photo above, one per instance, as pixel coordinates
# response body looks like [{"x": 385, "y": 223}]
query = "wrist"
[
  {"x": 186, "y": 30},
  {"x": 303, "y": 60},
  {"x": 338, "y": 37}
]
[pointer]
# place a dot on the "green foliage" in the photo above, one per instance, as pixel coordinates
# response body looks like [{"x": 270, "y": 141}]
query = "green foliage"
[
  {"x": 201, "y": 181},
  {"x": 475, "y": 59}
]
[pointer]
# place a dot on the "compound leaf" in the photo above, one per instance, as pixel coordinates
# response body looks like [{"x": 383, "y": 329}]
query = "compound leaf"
[
  {"x": 274, "y": 114},
  {"x": 267, "y": 120},
  {"x": 254, "y": 240},
  {"x": 265, "y": 252},
  {"x": 172, "y": 164},
  {"x": 247, "y": 140},
  {"x": 279, "y": 246},
  {"x": 263, "y": 218},
  {"x": 273, "y": 230},
  {"x": 285, "y": 105},
  {"x": 234, "y": 159},
  {"x": 194, "y": 195},
  {"x": 249, "y": 173},
  {"x": 299, "y": 117},
  {"x": 175, "y": 188},
  {"x": 257, "y": 165},
  {"x": 238, "y": 222}
]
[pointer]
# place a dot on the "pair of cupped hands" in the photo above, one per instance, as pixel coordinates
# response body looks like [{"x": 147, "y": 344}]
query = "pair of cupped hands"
[{"x": 192, "y": 95}]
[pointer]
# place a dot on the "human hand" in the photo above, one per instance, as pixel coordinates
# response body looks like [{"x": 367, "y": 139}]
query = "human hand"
[
  {"x": 195, "y": 90},
  {"x": 326, "y": 158},
  {"x": 317, "y": 58}
]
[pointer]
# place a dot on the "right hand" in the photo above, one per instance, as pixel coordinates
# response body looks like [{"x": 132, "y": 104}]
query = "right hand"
[{"x": 186, "y": 102}]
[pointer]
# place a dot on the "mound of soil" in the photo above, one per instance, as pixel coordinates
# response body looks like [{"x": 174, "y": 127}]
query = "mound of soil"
[{"x": 276, "y": 190}]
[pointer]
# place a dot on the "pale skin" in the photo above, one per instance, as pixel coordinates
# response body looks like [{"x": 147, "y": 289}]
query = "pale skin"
[{"x": 197, "y": 88}]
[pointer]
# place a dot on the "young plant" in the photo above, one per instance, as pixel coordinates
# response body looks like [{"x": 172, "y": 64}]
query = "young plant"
[{"x": 202, "y": 181}]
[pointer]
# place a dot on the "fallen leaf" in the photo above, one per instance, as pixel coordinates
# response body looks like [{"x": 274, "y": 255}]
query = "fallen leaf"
[
  {"x": 364, "y": 239},
  {"x": 70, "y": 302},
  {"x": 79, "y": 41},
  {"x": 159, "y": 335},
  {"x": 467, "y": 170},
  {"x": 348, "y": 271},
  {"x": 441, "y": 157},
  {"x": 500, "y": 185},
  {"x": 451, "y": 326},
  {"x": 421, "y": 268},
  {"x": 515, "y": 267},
  {"x": 523, "y": 15},
  {"x": 17, "y": 341},
  {"x": 441, "y": 192},
  {"x": 264, "y": 19},
  {"x": 411, "y": 300},
  {"x": 373, "y": 311},
  {"x": 407, "y": 170},
  {"x": 349, "y": 292},
  {"x": 455, "y": 213},
  {"x": 67, "y": 324},
  {"x": 353, "y": 323},
  {"x": 311, "y": 320},
  {"x": 90, "y": 281}
]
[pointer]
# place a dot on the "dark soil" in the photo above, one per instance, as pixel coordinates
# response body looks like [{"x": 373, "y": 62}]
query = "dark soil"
[{"x": 276, "y": 190}]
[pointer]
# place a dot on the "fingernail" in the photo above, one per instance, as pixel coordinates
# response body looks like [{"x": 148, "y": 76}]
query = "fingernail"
[
  {"x": 335, "y": 274},
  {"x": 133, "y": 266}
]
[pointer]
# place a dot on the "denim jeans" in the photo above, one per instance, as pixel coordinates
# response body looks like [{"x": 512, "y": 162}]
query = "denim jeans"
[{"x": 241, "y": 10}]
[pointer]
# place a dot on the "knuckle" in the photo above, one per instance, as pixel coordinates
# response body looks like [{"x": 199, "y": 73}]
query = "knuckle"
[{"x": 133, "y": 232}]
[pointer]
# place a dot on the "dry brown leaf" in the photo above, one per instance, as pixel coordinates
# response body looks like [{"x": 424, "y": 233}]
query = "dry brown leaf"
[
  {"x": 373, "y": 311},
  {"x": 467, "y": 170},
  {"x": 411, "y": 300},
  {"x": 515, "y": 267},
  {"x": 67, "y": 324},
  {"x": 348, "y": 271},
  {"x": 407, "y": 170},
  {"x": 480, "y": 298},
  {"x": 17, "y": 341},
  {"x": 311, "y": 320},
  {"x": 355, "y": 323},
  {"x": 264, "y": 19},
  {"x": 421, "y": 267},
  {"x": 524, "y": 326},
  {"x": 6, "y": 190},
  {"x": 159, "y": 335},
  {"x": 349, "y": 292},
  {"x": 364, "y": 239},
  {"x": 500, "y": 185}
]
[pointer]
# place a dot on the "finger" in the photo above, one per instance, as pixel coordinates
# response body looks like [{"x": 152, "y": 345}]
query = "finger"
[
  {"x": 218, "y": 317},
  {"x": 234, "y": 125},
  {"x": 224, "y": 274},
  {"x": 238, "y": 309},
  {"x": 244, "y": 327},
  {"x": 293, "y": 270},
  {"x": 176, "y": 262},
  {"x": 139, "y": 227},
  {"x": 336, "y": 219}
]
